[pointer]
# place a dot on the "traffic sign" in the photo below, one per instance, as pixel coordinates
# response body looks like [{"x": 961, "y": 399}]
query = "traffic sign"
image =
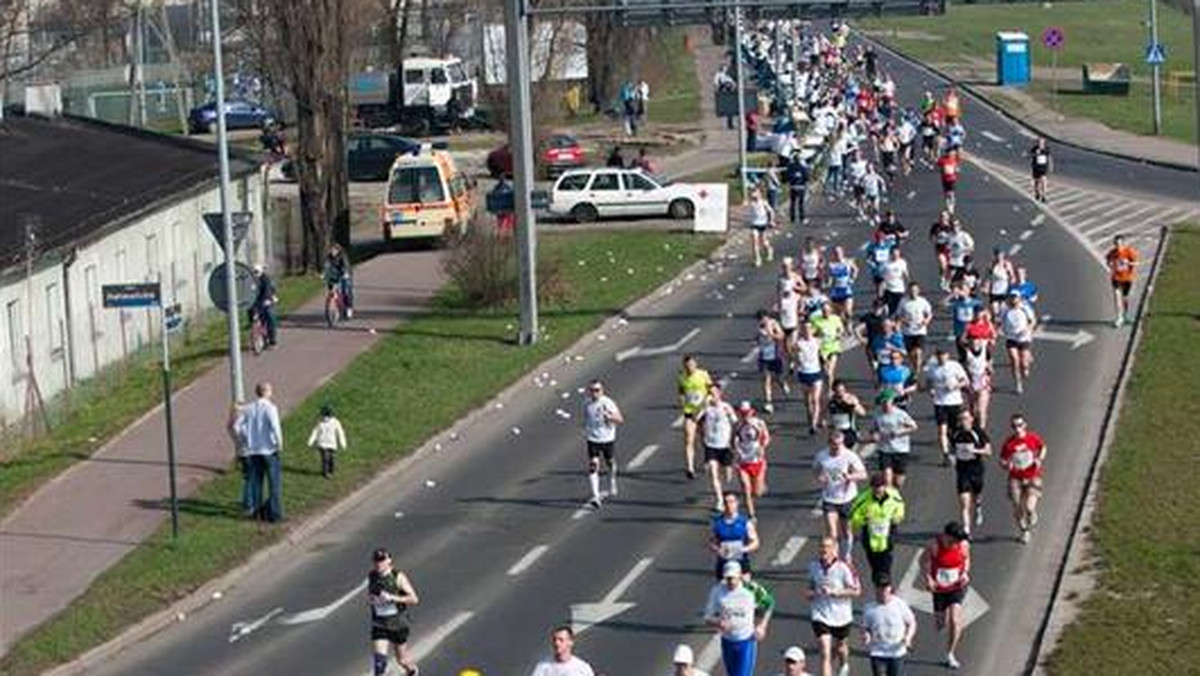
[
  {"x": 1054, "y": 37},
  {"x": 246, "y": 287},
  {"x": 241, "y": 225},
  {"x": 173, "y": 317},
  {"x": 130, "y": 295},
  {"x": 1156, "y": 54}
]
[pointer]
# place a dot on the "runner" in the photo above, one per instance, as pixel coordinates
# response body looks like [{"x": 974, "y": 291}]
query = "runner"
[
  {"x": 874, "y": 188},
  {"x": 1023, "y": 455},
  {"x": 682, "y": 661},
  {"x": 963, "y": 308},
  {"x": 977, "y": 361},
  {"x": 841, "y": 273},
  {"x": 947, "y": 565},
  {"x": 731, "y": 610},
  {"x": 889, "y": 627},
  {"x": 762, "y": 217},
  {"x": 892, "y": 428},
  {"x": 948, "y": 166},
  {"x": 1018, "y": 324},
  {"x": 947, "y": 381},
  {"x": 770, "y": 343},
  {"x": 563, "y": 661},
  {"x": 878, "y": 252},
  {"x": 694, "y": 383},
  {"x": 1001, "y": 277},
  {"x": 717, "y": 419},
  {"x": 793, "y": 662},
  {"x": 906, "y": 134},
  {"x": 830, "y": 328},
  {"x": 895, "y": 375},
  {"x": 750, "y": 441},
  {"x": 734, "y": 537},
  {"x": 1122, "y": 268},
  {"x": 812, "y": 261},
  {"x": 961, "y": 249},
  {"x": 600, "y": 421},
  {"x": 832, "y": 587},
  {"x": 870, "y": 330},
  {"x": 789, "y": 286},
  {"x": 914, "y": 314},
  {"x": 809, "y": 372},
  {"x": 844, "y": 410},
  {"x": 838, "y": 469},
  {"x": 1027, "y": 289},
  {"x": 1041, "y": 164},
  {"x": 971, "y": 445},
  {"x": 877, "y": 513},
  {"x": 893, "y": 230},
  {"x": 939, "y": 235},
  {"x": 390, "y": 593},
  {"x": 895, "y": 278},
  {"x": 929, "y": 137}
]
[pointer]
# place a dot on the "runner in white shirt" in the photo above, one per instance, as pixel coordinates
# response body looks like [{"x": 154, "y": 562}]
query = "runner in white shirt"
[
  {"x": 810, "y": 372},
  {"x": 601, "y": 416},
  {"x": 731, "y": 610},
  {"x": 962, "y": 248},
  {"x": 914, "y": 314},
  {"x": 812, "y": 262},
  {"x": 895, "y": 278},
  {"x": 889, "y": 627},
  {"x": 947, "y": 381},
  {"x": 683, "y": 661},
  {"x": 717, "y": 420},
  {"x": 770, "y": 343},
  {"x": 838, "y": 471},
  {"x": 832, "y": 586},
  {"x": 563, "y": 662},
  {"x": 1017, "y": 324},
  {"x": 788, "y": 297},
  {"x": 1001, "y": 277}
]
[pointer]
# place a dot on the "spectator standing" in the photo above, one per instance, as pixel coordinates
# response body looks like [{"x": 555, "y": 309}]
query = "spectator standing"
[{"x": 257, "y": 424}]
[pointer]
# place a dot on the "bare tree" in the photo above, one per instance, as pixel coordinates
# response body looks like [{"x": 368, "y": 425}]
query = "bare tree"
[{"x": 33, "y": 33}]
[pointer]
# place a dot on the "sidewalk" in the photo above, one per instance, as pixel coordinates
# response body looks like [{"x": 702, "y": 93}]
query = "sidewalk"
[{"x": 88, "y": 518}]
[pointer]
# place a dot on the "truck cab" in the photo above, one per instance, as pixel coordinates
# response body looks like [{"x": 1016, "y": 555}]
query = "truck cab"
[{"x": 422, "y": 95}]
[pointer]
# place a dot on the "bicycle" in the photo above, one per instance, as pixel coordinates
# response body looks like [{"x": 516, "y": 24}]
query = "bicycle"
[
  {"x": 258, "y": 333},
  {"x": 335, "y": 305}
]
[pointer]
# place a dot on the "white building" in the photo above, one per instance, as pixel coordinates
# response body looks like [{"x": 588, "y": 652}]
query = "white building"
[{"x": 107, "y": 205}]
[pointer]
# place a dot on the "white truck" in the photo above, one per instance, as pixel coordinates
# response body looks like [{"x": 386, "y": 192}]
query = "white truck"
[{"x": 421, "y": 96}]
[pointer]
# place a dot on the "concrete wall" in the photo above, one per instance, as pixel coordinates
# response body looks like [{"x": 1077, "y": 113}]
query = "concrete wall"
[{"x": 59, "y": 309}]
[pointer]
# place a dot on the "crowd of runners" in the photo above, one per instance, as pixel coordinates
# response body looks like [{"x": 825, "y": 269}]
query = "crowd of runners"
[{"x": 841, "y": 135}]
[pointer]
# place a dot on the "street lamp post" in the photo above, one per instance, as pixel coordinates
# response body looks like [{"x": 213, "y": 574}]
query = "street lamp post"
[
  {"x": 741, "y": 91},
  {"x": 1155, "y": 69},
  {"x": 516, "y": 48},
  {"x": 237, "y": 392}
]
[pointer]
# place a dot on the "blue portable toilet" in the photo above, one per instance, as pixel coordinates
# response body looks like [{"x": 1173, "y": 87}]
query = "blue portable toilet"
[{"x": 1012, "y": 58}]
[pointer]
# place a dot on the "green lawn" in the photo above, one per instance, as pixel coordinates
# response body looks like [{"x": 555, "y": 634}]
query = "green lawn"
[
  {"x": 102, "y": 406},
  {"x": 1144, "y": 614},
  {"x": 1096, "y": 30},
  {"x": 396, "y": 372},
  {"x": 675, "y": 89}
]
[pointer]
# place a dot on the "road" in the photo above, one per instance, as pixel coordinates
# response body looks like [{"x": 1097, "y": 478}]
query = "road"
[{"x": 491, "y": 529}]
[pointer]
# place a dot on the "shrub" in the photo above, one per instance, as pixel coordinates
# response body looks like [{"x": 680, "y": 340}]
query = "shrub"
[{"x": 482, "y": 266}]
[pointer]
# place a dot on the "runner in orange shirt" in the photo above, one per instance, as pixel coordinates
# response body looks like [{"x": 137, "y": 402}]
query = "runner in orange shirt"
[{"x": 1122, "y": 266}]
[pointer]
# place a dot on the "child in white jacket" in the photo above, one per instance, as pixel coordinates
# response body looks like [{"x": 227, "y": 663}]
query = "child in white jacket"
[{"x": 327, "y": 437}]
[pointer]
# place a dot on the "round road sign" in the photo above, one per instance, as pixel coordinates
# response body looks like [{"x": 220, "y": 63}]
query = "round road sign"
[
  {"x": 1054, "y": 37},
  {"x": 246, "y": 287}
]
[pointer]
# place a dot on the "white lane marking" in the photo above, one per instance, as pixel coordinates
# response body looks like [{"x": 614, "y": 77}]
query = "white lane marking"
[
  {"x": 1120, "y": 213},
  {"x": 1027, "y": 134},
  {"x": 1077, "y": 339},
  {"x": 1038, "y": 220},
  {"x": 326, "y": 610},
  {"x": 580, "y": 513},
  {"x": 1014, "y": 250},
  {"x": 677, "y": 423},
  {"x": 992, "y": 137},
  {"x": 587, "y": 615},
  {"x": 626, "y": 354},
  {"x": 1099, "y": 207},
  {"x": 911, "y": 194},
  {"x": 642, "y": 456},
  {"x": 528, "y": 560},
  {"x": 640, "y": 351},
  {"x": 1026, "y": 235},
  {"x": 240, "y": 630},
  {"x": 788, "y": 552},
  {"x": 749, "y": 356},
  {"x": 425, "y": 647},
  {"x": 709, "y": 655}
]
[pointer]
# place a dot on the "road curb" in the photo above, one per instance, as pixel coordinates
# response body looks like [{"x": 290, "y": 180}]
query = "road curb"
[
  {"x": 203, "y": 596},
  {"x": 983, "y": 99},
  {"x": 1058, "y": 616}
]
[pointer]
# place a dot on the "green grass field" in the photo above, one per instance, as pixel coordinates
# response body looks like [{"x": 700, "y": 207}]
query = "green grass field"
[
  {"x": 395, "y": 374},
  {"x": 1096, "y": 30},
  {"x": 102, "y": 406},
  {"x": 1144, "y": 615}
]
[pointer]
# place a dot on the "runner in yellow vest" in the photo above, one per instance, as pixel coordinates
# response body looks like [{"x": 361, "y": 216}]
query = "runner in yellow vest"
[
  {"x": 694, "y": 383},
  {"x": 876, "y": 513}
]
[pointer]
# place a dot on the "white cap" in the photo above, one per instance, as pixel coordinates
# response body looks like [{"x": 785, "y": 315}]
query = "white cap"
[
  {"x": 794, "y": 654},
  {"x": 683, "y": 655},
  {"x": 731, "y": 569}
]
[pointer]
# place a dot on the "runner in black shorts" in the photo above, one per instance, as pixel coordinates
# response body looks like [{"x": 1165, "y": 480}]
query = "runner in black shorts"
[
  {"x": 390, "y": 594},
  {"x": 971, "y": 445}
]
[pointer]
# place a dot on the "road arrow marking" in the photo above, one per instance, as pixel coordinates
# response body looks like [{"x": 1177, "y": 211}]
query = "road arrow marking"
[
  {"x": 640, "y": 351},
  {"x": 1077, "y": 339},
  {"x": 526, "y": 561},
  {"x": 240, "y": 630},
  {"x": 642, "y": 456},
  {"x": 1026, "y": 235},
  {"x": 750, "y": 356},
  {"x": 677, "y": 423},
  {"x": 430, "y": 641},
  {"x": 974, "y": 605},
  {"x": 586, "y": 615},
  {"x": 1038, "y": 220},
  {"x": 788, "y": 552},
  {"x": 324, "y": 611}
]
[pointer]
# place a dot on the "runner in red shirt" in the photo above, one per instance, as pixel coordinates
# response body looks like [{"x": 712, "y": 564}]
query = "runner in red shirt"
[
  {"x": 948, "y": 168},
  {"x": 1022, "y": 455},
  {"x": 947, "y": 566}
]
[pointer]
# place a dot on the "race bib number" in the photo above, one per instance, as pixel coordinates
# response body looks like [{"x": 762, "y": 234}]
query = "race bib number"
[
  {"x": 694, "y": 398},
  {"x": 731, "y": 549},
  {"x": 948, "y": 577},
  {"x": 880, "y": 528},
  {"x": 1022, "y": 460},
  {"x": 1042, "y": 159},
  {"x": 840, "y": 421}
]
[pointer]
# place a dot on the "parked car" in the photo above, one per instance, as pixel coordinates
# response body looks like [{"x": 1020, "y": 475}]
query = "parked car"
[
  {"x": 369, "y": 156},
  {"x": 239, "y": 114},
  {"x": 556, "y": 154},
  {"x": 587, "y": 194}
]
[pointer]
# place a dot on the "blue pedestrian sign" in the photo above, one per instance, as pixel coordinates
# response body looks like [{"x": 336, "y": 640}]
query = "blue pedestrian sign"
[{"x": 1156, "y": 54}]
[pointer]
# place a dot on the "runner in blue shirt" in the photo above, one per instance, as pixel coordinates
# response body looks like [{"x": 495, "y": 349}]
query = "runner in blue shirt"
[{"x": 894, "y": 374}]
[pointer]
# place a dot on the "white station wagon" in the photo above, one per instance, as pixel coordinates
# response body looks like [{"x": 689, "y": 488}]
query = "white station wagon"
[{"x": 587, "y": 194}]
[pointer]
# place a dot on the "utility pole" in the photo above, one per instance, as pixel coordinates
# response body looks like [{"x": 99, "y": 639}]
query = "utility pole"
[
  {"x": 237, "y": 393},
  {"x": 516, "y": 48},
  {"x": 1155, "y": 69},
  {"x": 1196, "y": 74},
  {"x": 737, "y": 58}
]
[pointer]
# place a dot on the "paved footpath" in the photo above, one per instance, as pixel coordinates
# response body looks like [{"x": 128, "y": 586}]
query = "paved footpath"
[{"x": 88, "y": 518}]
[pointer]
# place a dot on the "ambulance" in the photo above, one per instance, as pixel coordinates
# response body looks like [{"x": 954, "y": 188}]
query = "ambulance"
[{"x": 427, "y": 196}]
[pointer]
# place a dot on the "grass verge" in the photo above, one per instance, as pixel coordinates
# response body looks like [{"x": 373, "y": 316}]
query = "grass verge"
[
  {"x": 1097, "y": 31},
  {"x": 676, "y": 98},
  {"x": 102, "y": 406},
  {"x": 1145, "y": 533},
  {"x": 396, "y": 371}
]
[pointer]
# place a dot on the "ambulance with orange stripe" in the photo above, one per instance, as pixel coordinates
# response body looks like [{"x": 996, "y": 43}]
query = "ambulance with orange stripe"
[{"x": 427, "y": 196}]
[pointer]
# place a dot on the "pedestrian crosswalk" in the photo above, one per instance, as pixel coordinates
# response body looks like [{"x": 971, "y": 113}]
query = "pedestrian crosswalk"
[{"x": 1094, "y": 214}]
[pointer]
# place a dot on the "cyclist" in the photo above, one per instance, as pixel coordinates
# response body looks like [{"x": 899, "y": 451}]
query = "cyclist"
[
  {"x": 390, "y": 594},
  {"x": 693, "y": 384},
  {"x": 770, "y": 343},
  {"x": 717, "y": 419},
  {"x": 1122, "y": 263},
  {"x": 877, "y": 513},
  {"x": 1023, "y": 455},
  {"x": 750, "y": 442},
  {"x": 838, "y": 471},
  {"x": 892, "y": 428},
  {"x": 263, "y": 307},
  {"x": 336, "y": 275},
  {"x": 733, "y": 537},
  {"x": 971, "y": 445},
  {"x": 600, "y": 420},
  {"x": 844, "y": 410},
  {"x": 947, "y": 565}
]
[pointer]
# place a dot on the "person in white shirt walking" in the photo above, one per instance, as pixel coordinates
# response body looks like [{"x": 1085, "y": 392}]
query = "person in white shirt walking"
[
  {"x": 601, "y": 417},
  {"x": 328, "y": 438},
  {"x": 563, "y": 661},
  {"x": 888, "y": 629},
  {"x": 832, "y": 587}
]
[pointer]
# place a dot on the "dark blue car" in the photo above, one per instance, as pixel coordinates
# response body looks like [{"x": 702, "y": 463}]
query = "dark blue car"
[{"x": 238, "y": 115}]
